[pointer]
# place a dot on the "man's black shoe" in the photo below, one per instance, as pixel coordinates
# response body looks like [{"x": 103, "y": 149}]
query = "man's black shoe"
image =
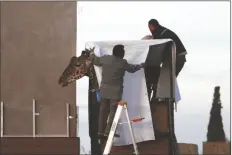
[{"x": 102, "y": 136}]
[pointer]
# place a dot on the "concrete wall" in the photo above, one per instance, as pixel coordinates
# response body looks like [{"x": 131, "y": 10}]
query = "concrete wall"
[
  {"x": 37, "y": 41},
  {"x": 39, "y": 146}
]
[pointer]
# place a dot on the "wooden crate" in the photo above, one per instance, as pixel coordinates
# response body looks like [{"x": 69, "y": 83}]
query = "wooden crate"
[
  {"x": 153, "y": 147},
  {"x": 190, "y": 149},
  {"x": 159, "y": 114},
  {"x": 219, "y": 148}
]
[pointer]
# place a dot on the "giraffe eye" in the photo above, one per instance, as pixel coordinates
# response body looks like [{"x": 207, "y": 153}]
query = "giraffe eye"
[{"x": 77, "y": 65}]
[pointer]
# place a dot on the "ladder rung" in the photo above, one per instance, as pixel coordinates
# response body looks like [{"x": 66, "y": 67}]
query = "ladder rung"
[
  {"x": 109, "y": 143},
  {"x": 137, "y": 119},
  {"x": 134, "y": 120}
]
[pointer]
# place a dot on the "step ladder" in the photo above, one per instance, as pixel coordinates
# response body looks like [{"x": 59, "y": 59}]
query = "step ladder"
[{"x": 121, "y": 105}]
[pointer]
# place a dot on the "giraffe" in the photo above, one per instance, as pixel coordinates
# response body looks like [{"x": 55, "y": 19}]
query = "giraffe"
[{"x": 79, "y": 67}]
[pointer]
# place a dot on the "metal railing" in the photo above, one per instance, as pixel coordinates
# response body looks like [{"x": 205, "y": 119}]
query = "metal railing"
[
  {"x": 36, "y": 114},
  {"x": 2, "y": 123}
]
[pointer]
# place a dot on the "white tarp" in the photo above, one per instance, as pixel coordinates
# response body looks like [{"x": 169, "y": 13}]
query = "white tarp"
[{"x": 135, "y": 91}]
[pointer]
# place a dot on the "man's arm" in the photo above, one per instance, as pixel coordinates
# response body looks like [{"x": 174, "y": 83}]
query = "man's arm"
[
  {"x": 180, "y": 49},
  {"x": 95, "y": 59},
  {"x": 180, "y": 46},
  {"x": 133, "y": 68}
]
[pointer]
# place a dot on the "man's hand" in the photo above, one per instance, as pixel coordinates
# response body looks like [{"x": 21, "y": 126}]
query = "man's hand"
[
  {"x": 147, "y": 37},
  {"x": 91, "y": 55},
  {"x": 88, "y": 62}
]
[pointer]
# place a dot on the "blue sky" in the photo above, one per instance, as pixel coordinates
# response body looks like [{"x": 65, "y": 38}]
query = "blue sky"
[{"x": 203, "y": 27}]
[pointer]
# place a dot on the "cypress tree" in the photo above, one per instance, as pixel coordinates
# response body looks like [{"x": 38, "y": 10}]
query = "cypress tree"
[{"x": 215, "y": 127}]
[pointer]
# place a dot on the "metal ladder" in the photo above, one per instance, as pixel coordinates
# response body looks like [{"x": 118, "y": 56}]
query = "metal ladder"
[{"x": 121, "y": 105}]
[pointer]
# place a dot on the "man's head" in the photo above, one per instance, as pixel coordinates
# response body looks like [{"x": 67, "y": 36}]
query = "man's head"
[
  {"x": 119, "y": 51},
  {"x": 153, "y": 24}
]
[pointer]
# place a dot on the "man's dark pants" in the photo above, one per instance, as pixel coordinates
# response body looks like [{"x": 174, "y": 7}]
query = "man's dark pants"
[
  {"x": 108, "y": 108},
  {"x": 153, "y": 73},
  {"x": 93, "y": 108}
]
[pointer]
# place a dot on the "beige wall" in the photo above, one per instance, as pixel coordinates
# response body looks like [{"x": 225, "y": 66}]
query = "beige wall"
[{"x": 37, "y": 41}]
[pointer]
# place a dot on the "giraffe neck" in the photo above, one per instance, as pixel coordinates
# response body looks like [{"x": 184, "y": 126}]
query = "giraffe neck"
[{"x": 93, "y": 83}]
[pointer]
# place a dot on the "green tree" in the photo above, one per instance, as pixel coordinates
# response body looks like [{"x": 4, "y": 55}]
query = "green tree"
[{"x": 215, "y": 128}]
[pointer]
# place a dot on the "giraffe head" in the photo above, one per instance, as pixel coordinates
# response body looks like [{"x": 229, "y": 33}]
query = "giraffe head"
[{"x": 78, "y": 67}]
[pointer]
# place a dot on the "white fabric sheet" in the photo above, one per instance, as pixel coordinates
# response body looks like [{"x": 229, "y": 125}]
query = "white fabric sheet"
[{"x": 135, "y": 92}]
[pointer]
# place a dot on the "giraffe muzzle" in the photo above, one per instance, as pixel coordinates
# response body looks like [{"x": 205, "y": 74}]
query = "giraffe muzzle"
[{"x": 62, "y": 82}]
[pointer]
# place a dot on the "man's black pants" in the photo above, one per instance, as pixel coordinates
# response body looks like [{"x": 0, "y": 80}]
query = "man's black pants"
[
  {"x": 108, "y": 109},
  {"x": 152, "y": 75}
]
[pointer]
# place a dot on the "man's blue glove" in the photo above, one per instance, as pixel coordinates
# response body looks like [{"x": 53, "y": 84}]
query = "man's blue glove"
[{"x": 98, "y": 95}]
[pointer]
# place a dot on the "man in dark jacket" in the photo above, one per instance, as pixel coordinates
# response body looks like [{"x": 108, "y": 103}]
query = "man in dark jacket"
[
  {"x": 160, "y": 32},
  {"x": 111, "y": 89},
  {"x": 152, "y": 73}
]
